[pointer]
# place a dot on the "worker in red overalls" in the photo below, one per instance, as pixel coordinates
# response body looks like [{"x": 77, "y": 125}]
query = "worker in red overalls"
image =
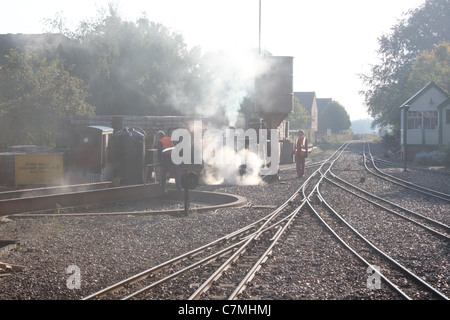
[
  {"x": 165, "y": 146},
  {"x": 300, "y": 152}
]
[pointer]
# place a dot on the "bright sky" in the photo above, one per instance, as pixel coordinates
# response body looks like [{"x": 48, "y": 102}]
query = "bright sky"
[{"x": 331, "y": 41}]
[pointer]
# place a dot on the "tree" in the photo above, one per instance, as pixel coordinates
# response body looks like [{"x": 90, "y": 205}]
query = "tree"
[
  {"x": 431, "y": 66},
  {"x": 34, "y": 91},
  {"x": 334, "y": 117},
  {"x": 422, "y": 29},
  {"x": 299, "y": 118},
  {"x": 137, "y": 68}
]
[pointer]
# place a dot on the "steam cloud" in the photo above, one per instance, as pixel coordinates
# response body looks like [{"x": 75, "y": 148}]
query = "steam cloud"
[
  {"x": 232, "y": 76},
  {"x": 229, "y": 164},
  {"x": 229, "y": 174},
  {"x": 229, "y": 78}
]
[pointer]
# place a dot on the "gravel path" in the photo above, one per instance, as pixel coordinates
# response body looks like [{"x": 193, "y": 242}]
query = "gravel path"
[{"x": 310, "y": 265}]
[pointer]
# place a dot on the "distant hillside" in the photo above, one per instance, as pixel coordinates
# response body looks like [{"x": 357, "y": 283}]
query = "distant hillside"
[{"x": 362, "y": 126}]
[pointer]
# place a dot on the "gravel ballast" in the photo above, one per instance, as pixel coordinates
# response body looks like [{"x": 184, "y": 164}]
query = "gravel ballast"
[{"x": 312, "y": 264}]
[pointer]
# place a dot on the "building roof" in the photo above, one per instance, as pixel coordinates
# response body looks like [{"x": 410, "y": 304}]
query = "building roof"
[
  {"x": 306, "y": 99},
  {"x": 422, "y": 91}
]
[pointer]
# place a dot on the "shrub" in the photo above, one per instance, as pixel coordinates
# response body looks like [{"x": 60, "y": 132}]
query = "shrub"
[{"x": 440, "y": 157}]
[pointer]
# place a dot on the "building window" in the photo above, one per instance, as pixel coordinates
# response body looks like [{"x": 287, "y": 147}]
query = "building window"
[
  {"x": 420, "y": 119},
  {"x": 447, "y": 116},
  {"x": 414, "y": 120}
]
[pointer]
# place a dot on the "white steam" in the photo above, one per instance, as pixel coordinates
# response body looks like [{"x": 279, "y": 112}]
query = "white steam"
[
  {"x": 233, "y": 77},
  {"x": 227, "y": 78},
  {"x": 215, "y": 173},
  {"x": 232, "y": 157}
]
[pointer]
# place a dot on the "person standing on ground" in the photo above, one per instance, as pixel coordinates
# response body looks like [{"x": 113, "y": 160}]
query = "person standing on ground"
[
  {"x": 300, "y": 152},
  {"x": 165, "y": 146}
]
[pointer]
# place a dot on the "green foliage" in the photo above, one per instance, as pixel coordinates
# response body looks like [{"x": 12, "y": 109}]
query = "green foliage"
[
  {"x": 334, "y": 117},
  {"x": 138, "y": 68},
  {"x": 431, "y": 66},
  {"x": 390, "y": 142},
  {"x": 34, "y": 91},
  {"x": 299, "y": 118},
  {"x": 421, "y": 30}
]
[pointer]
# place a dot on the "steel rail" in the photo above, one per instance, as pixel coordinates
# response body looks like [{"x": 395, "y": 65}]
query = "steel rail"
[
  {"x": 194, "y": 252},
  {"x": 274, "y": 240},
  {"x": 406, "y": 184},
  {"x": 217, "y": 274},
  {"x": 438, "y": 223},
  {"x": 307, "y": 166},
  {"x": 413, "y": 168},
  {"x": 184, "y": 256},
  {"x": 357, "y": 254},
  {"x": 393, "y": 204},
  {"x": 343, "y": 242},
  {"x": 190, "y": 267},
  {"x": 249, "y": 276},
  {"x": 368, "y": 242},
  {"x": 445, "y": 195},
  {"x": 381, "y": 252},
  {"x": 206, "y": 259}
]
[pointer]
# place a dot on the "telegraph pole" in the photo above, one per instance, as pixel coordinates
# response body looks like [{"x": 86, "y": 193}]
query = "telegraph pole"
[
  {"x": 259, "y": 27},
  {"x": 405, "y": 135}
]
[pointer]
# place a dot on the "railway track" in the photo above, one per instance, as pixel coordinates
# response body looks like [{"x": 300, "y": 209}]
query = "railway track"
[
  {"x": 409, "y": 285},
  {"x": 224, "y": 268},
  {"x": 305, "y": 248},
  {"x": 398, "y": 165},
  {"x": 433, "y": 226},
  {"x": 418, "y": 188},
  {"x": 229, "y": 263},
  {"x": 403, "y": 281}
]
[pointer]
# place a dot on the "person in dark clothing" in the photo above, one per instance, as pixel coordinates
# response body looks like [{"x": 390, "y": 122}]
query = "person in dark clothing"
[
  {"x": 301, "y": 153},
  {"x": 165, "y": 146}
]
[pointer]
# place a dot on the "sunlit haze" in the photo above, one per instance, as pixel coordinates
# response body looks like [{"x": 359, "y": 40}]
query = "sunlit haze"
[{"x": 331, "y": 41}]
